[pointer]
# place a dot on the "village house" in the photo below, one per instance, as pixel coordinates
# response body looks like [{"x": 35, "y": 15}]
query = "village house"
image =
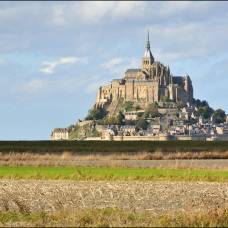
[
  {"x": 133, "y": 115},
  {"x": 59, "y": 134}
]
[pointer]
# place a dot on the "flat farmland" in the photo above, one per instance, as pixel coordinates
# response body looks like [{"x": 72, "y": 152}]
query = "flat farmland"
[
  {"x": 156, "y": 196},
  {"x": 106, "y": 196},
  {"x": 112, "y": 184},
  {"x": 112, "y": 203}
]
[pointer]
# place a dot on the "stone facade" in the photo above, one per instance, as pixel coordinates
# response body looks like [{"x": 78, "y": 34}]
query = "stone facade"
[
  {"x": 59, "y": 134},
  {"x": 133, "y": 115},
  {"x": 152, "y": 82}
]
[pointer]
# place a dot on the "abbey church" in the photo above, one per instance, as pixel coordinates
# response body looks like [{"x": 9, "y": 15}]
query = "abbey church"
[
  {"x": 148, "y": 104},
  {"x": 153, "y": 82}
]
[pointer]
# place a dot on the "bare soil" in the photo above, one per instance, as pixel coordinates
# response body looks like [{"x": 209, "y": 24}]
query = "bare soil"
[{"x": 157, "y": 197}]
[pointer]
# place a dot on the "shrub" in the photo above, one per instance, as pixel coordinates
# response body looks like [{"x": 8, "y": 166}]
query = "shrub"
[
  {"x": 219, "y": 116},
  {"x": 141, "y": 124},
  {"x": 96, "y": 113},
  {"x": 152, "y": 111},
  {"x": 128, "y": 106}
]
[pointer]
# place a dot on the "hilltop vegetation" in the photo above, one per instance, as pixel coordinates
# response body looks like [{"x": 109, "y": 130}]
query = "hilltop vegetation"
[
  {"x": 151, "y": 110},
  {"x": 96, "y": 113},
  {"x": 101, "y": 116},
  {"x": 80, "y": 132},
  {"x": 207, "y": 112}
]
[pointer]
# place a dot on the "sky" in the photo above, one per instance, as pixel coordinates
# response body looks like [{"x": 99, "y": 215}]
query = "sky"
[{"x": 55, "y": 55}]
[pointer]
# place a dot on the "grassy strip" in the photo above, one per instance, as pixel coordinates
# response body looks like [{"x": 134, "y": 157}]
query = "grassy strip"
[
  {"x": 115, "y": 218},
  {"x": 111, "y": 146},
  {"x": 16, "y": 158},
  {"x": 102, "y": 173}
]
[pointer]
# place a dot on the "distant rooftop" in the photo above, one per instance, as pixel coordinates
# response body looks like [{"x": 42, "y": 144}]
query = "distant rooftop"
[
  {"x": 178, "y": 80},
  {"x": 133, "y": 70},
  {"x": 60, "y": 130}
]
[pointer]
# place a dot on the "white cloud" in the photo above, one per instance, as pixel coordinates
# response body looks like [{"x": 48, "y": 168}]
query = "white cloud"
[
  {"x": 187, "y": 40},
  {"x": 10, "y": 13},
  {"x": 93, "y": 12},
  {"x": 33, "y": 87},
  {"x": 112, "y": 63},
  {"x": 133, "y": 63},
  {"x": 100, "y": 13},
  {"x": 58, "y": 16},
  {"x": 121, "y": 63},
  {"x": 49, "y": 67},
  {"x": 117, "y": 66},
  {"x": 128, "y": 9},
  {"x": 173, "y": 8},
  {"x": 96, "y": 12}
]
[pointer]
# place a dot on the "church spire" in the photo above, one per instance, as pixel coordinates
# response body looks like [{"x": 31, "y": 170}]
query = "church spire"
[
  {"x": 148, "y": 41},
  {"x": 148, "y": 57}
]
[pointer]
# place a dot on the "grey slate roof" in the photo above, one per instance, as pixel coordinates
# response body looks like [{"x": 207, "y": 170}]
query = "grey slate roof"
[
  {"x": 133, "y": 70},
  {"x": 60, "y": 130},
  {"x": 178, "y": 80}
]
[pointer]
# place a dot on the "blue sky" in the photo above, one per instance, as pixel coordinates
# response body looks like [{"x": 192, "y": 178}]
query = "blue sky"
[{"x": 54, "y": 55}]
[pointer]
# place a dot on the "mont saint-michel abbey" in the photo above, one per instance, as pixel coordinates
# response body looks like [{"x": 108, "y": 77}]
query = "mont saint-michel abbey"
[
  {"x": 153, "y": 82},
  {"x": 149, "y": 104}
]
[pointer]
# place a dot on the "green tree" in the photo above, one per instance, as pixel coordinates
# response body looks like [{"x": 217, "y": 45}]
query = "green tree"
[
  {"x": 203, "y": 108},
  {"x": 137, "y": 107},
  {"x": 120, "y": 118},
  {"x": 196, "y": 102},
  {"x": 205, "y": 111},
  {"x": 200, "y": 103},
  {"x": 114, "y": 120},
  {"x": 151, "y": 110},
  {"x": 128, "y": 106},
  {"x": 96, "y": 114},
  {"x": 219, "y": 116},
  {"x": 142, "y": 124},
  {"x": 71, "y": 127}
]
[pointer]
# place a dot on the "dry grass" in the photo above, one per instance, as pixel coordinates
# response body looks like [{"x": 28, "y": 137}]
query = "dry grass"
[
  {"x": 110, "y": 217},
  {"x": 118, "y": 204},
  {"x": 157, "y": 197},
  {"x": 61, "y": 159}
]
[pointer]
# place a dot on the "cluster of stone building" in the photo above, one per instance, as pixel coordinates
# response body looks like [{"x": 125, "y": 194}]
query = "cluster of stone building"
[
  {"x": 153, "y": 82},
  {"x": 60, "y": 134},
  {"x": 172, "y": 124}
]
